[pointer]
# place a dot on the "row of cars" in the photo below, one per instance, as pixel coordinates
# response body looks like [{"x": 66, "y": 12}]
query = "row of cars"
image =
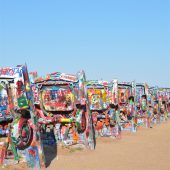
[{"x": 68, "y": 109}]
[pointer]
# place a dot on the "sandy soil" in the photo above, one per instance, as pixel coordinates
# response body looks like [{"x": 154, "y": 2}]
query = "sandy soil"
[{"x": 148, "y": 149}]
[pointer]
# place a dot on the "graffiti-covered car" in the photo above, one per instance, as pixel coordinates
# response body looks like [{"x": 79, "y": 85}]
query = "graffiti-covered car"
[
  {"x": 17, "y": 115},
  {"x": 126, "y": 102},
  {"x": 154, "y": 102},
  {"x": 62, "y": 102},
  {"x": 142, "y": 104},
  {"x": 99, "y": 101},
  {"x": 163, "y": 99}
]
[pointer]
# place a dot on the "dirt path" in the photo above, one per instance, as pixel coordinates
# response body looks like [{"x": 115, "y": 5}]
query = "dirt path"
[{"x": 148, "y": 149}]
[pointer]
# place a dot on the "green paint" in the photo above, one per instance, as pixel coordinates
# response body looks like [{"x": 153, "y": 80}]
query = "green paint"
[{"x": 23, "y": 102}]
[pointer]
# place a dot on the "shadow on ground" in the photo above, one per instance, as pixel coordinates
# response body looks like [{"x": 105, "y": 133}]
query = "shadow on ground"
[{"x": 49, "y": 147}]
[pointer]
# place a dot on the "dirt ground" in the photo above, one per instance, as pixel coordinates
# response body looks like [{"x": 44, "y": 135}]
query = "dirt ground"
[{"x": 148, "y": 149}]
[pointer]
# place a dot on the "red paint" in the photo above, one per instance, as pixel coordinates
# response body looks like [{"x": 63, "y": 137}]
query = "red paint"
[{"x": 32, "y": 152}]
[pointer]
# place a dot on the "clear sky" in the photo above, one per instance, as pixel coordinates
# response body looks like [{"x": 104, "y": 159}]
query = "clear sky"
[{"x": 124, "y": 39}]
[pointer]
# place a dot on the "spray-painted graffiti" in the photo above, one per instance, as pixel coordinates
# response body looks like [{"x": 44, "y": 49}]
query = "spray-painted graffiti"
[
  {"x": 103, "y": 99},
  {"x": 57, "y": 98},
  {"x": 11, "y": 71},
  {"x": 64, "y": 108},
  {"x": 17, "y": 113},
  {"x": 62, "y": 102}
]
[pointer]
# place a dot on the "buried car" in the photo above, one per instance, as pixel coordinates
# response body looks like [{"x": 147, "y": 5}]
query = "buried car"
[
  {"x": 99, "y": 104},
  {"x": 18, "y": 135},
  {"x": 62, "y": 103},
  {"x": 126, "y": 102}
]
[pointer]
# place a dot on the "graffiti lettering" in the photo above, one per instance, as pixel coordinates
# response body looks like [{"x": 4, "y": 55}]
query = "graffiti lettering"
[
  {"x": 10, "y": 71},
  {"x": 68, "y": 77}
]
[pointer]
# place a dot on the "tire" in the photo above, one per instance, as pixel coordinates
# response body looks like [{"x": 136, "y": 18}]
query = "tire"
[
  {"x": 25, "y": 135},
  {"x": 90, "y": 133},
  {"x": 82, "y": 126}
]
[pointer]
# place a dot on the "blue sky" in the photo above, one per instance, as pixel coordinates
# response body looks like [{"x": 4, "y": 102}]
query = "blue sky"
[{"x": 125, "y": 39}]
